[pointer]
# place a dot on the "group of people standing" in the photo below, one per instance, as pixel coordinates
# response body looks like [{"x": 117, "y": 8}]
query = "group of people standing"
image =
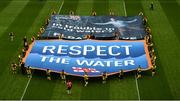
[
  {"x": 149, "y": 41},
  {"x": 63, "y": 74},
  {"x": 14, "y": 66}
]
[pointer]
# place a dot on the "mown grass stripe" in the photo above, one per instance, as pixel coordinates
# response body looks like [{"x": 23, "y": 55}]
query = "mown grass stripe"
[
  {"x": 151, "y": 87},
  {"x": 101, "y": 7},
  {"x": 20, "y": 27},
  {"x": 43, "y": 15},
  {"x": 69, "y": 5},
  {"x": 133, "y": 7},
  {"x": 95, "y": 90},
  {"x": 168, "y": 42},
  {"x": 165, "y": 38},
  {"x": 4, "y": 4},
  {"x": 158, "y": 87},
  {"x": 48, "y": 92},
  {"x": 122, "y": 89},
  {"x": 60, "y": 89},
  {"x": 9, "y": 13},
  {"x": 117, "y": 7},
  {"x": 46, "y": 89},
  {"x": 173, "y": 16},
  {"x": 84, "y": 7},
  {"x": 39, "y": 88},
  {"x": 178, "y": 1},
  {"x": 60, "y": 93}
]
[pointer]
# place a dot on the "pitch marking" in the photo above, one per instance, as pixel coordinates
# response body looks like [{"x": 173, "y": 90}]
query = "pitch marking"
[
  {"x": 61, "y": 6},
  {"x": 137, "y": 88},
  {"x": 124, "y": 5},
  {"x": 25, "y": 89}
]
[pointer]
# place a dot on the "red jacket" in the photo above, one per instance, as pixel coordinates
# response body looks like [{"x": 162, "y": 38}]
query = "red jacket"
[{"x": 69, "y": 84}]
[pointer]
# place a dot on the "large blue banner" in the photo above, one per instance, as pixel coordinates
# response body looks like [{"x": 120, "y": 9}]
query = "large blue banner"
[
  {"x": 94, "y": 57},
  {"x": 76, "y": 27}
]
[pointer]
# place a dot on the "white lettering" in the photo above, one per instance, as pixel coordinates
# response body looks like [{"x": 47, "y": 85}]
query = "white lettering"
[
  {"x": 127, "y": 48},
  {"x": 129, "y": 62},
  {"x": 100, "y": 50},
  {"x": 108, "y": 63},
  {"x": 98, "y": 63},
  {"x": 88, "y": 48},
  {"x": 118, "y": 63},
  {"x": 78, "y": 52},
  {"x": 65, "y": 61},
  {"x": 49, "y": 48},
  {"x": 84, "y": 62},
  {"x": 43, "y": 58},
  {"x": 111, "y": 50},
  {"x": 61, "y": 50}
]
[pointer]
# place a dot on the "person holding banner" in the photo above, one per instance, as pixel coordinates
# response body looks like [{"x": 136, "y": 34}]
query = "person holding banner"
[
  {"x": 152, "y": 53},
  {"x": 141, "y": 14},
  {"x": 111, "y": 13},
  {"x": 60, "y": 36},
  {"x": 69, "y": 86},
  {"x": 153, "y": 70},
  {"x": 71, "y": 13},
  {"x": 42, "y": 29},
  {"x": 25, "y": 41},
  {"x": 116, "y": 35},
  {"x": 104, "y": 77},
  {"x": 86, "y": 79},
  {"x": 150, "y": 46},
  {"x": 26, "y": 46},
  {"x": 23, "y": 69},
  {"x": 28, "y": 70},
  {"x": 148, "y": 30},
  {"x": 145, "y": 21},
  {"x": 121, "y": 74},
  {"x": 23, "y": 52},
  {"x": 146, "y": 39},
  {"x": 19, "y": 59},
  {"x": 92, "y": 36},
  {"x": 153, "y": 59},
  {"x": 47, "y": 21},
  {"x": 94, "y": 13},
  {"x": 88, "y": 37},
  {"x": 63, "y": 76},
  {"x": 48, "y": 73},
  {"x": 139, "y": 72},
  {"x": 53, "y": 12},
  {"x": 38, "y": 36},
  {"x": 32, "y": 39}
]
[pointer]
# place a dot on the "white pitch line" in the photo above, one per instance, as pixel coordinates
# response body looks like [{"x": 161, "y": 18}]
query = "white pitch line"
[
  {"x": 31, "y": 77},
  {"x": 124, "y": 5},
  {"x": 25, "y": 89},
  {"x": 61, "y": 6},
  {"x": 137, "y": 88}
]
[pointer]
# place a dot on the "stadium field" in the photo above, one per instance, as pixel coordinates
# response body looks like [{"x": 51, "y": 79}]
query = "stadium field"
[{"x": 25, "y": 17}]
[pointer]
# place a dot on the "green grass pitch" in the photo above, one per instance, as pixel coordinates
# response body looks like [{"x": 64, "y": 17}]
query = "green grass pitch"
[{"x": 25, "y": 17}]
